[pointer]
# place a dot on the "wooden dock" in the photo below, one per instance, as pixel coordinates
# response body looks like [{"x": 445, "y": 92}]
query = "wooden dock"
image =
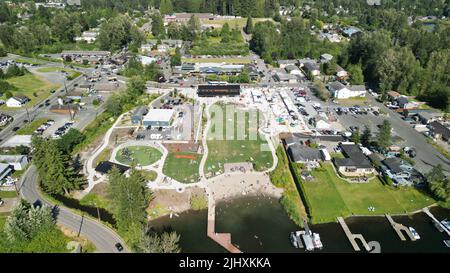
[
  {"x": 352, "y": 237},
  {"x": 435, "y": 221},
  {"x": 399, "y": 228},
  {"x": 223, "y": 239}
]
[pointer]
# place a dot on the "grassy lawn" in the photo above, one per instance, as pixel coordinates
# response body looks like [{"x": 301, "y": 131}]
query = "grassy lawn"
[
  {"x": 149, "y": 175},
  {"x": 182, "y": 166},
  {"x": 94, "y": 200},
  {"x": 215, "y": 47},
  {"x": 31, "y": 127},
  {"x": 72, "y": 73},
  {"x": 330, "y": 197},
  {"x": 29, "y": 61},
  {"x": 142, "y": 155},
  {"x": 8, "y": 194},
  {"x": 217, "y": 60},
  {"x": 282, "y": 178},
  {"x": 35, "y": 88},
  {"x": 226, "y": 147}
]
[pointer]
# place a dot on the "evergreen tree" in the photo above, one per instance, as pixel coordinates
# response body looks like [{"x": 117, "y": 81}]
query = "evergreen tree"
[
  {"x": 249, "y": 25},
  {"x": 166, "y": 7},
  {"x": 384, "y": 135},
  {"x": 366, "y": 136}
]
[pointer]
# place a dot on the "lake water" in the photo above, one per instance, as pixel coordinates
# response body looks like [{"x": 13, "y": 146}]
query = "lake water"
[{"x": 259, "y": 224}]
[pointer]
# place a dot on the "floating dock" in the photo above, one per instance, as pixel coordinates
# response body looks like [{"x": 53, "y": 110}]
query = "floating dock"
[
  {"x": 436, "y": 222},
  {"x": 352, "y": 237},
  {"x": 223, "y": 239},
  {"x": 399, "y": 228}
]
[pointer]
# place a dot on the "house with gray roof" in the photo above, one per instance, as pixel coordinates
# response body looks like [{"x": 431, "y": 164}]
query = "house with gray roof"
[
  {"x": 299, "y": 153},
  {"x": 355, "y": 162}
]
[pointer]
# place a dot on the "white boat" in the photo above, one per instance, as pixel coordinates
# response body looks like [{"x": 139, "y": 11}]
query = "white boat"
[
  {"x": 446, "y": 224},
  {"x": 447, "y": 243},
  {"x": 316, "y": 241},
  {"x": 414, "y": 233},
  {"x": 294, "y": 240},
  {"x": 308, "y": 242}
]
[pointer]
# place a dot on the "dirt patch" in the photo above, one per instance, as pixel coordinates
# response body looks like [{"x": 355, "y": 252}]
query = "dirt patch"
[
  {"x": 173, "y": 201},
  {"x": 100, "y": 189},
  {"x": 9, "y": 204},
  {"x": 85, "y": 243},
  {"x": 182, "y": 147}
]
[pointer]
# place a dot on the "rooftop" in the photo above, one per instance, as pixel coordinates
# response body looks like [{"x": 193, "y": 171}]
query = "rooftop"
[{"x": 159, "y": 115}]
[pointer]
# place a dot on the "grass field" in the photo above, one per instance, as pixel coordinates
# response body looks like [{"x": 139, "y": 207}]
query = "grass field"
[
  {"x": 330, "y": 197},
  {"x": 8, "y": 194},
  {"x": 35, "y": 88},
  {"x": 31, "y": 127},
  {"x": 142, "y": 155},
  {"x": 217, "y": 60},
  {"x": 182, "y": 167},
  {"x": 224, "y": 145}
]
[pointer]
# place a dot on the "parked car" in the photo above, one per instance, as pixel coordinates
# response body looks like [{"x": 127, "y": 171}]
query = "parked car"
[
  {"x": 119, "y": 247},
  {"x": 15, "y": 129}
]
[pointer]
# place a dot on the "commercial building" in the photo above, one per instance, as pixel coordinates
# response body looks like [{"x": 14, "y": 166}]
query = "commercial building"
[
  {"x": 106, "y": 166},
  {"x": 158, "y": 118},
  {"x": 229, "y": 90},
  {"x": 138, "y": 114},
  {"x": 17, "y": 140}
]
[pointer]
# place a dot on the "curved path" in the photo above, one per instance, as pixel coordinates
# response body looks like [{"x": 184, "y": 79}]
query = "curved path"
[{"x": 100, "y": 235}]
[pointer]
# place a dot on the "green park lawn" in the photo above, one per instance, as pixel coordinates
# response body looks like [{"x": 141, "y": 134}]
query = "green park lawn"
[
  {"x": 8, "y": 194},
  {"x": 329, "y": 197},
  {"x": 35, "y": 88},
  {"x": 142, "y": 155},
  {"x": 226, "y": 147},
  {"x": 182, "y": 166},
  {"x": 31, "y": 127}
]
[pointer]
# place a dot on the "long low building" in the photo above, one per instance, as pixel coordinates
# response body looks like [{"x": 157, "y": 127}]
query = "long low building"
[
  {"x": 158, "y": 118},
  {"x": 229, "y": 90}
]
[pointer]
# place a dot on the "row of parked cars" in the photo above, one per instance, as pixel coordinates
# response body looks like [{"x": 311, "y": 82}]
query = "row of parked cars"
[
  {"x": 62, "y": 130},
  {"x": 40, "y": 130}
]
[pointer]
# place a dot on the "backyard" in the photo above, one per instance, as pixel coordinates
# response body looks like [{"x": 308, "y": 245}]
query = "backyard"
[
  {"x": 182, "y": 167},
  {"x": 142, "y": 155},
  {"x": 328, "y": 197},
  {"x": 35, "y": 88},
  {"x": 227, "y": 147}
]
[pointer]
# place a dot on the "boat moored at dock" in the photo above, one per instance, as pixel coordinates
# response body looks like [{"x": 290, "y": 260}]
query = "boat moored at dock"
[{"x": 414, "y": 233}]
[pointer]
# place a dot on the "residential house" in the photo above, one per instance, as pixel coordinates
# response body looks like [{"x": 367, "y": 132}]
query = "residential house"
[
  {"x": 340, "y": 91},
  {"x": 404, "y": 103},
  {"x": 5, "y": 170},
  {"x": 299, "y": 153},
  {"x": 439, "y": 131},
  {"x": 341, "y": 73},
  {"x": 284, "y": 63},
  {"x": 17, "y": 162},
  {"x": 281, "y": 76},
  {"x": 355, "y": 162},
  {"x": 325, "y": 58},
  {"x": 17, "y": 101},
  {"x": 397, "y": 170},
  {"x": 293, "y": 70},
  {"x": 312, "y": 68},
  {"x": 393, "y": 95}
]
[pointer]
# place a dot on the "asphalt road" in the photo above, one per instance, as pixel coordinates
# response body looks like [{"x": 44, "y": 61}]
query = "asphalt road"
[
  {"x": 101, "y": 236},
  {"x": 32, "y": 113}
]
